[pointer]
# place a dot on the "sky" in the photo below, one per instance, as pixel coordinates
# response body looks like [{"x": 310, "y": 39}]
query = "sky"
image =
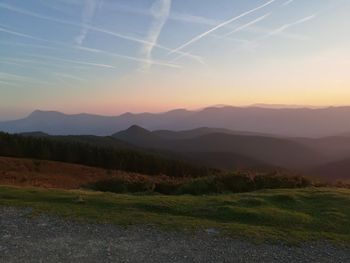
[{"x": 114, "y": 56}]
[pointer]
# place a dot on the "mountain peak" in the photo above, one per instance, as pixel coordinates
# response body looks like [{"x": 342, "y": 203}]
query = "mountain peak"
[
  {"x": 136, "y": 129},
  {"x": 41, "y": 113}
]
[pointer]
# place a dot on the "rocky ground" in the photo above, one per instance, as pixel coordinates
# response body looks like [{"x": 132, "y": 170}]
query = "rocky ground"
[{"x": 52, "y": 239}]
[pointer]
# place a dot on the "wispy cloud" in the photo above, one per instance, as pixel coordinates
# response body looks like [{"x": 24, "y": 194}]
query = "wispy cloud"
[
  {"x": 72, "y": 61},
  {"x": 69, "y": 76},
  {"x": 19, "y": 34},
  {"x": 288, "y": 2},
  {"x": 8, "y": 43},
  {"x": 187, "y": 18},
  {"x": 193, "y": 19},
  {"x": 93, "y": 28},
  {"x": 87, "y": 14},
  {"x": 160, "y": 63},
  {"x": 288, "y": 35},
  {"x": 11, "y": 63},
  {"x": 41, "y": 64},
  {"x": 142, "y": 60},
  {"x": 195, "y": 39},
  {"x": 251, "y": 23},
  {"x": 251, "y": 45},
  {"x": 16, "y": 77},
  {"x": 9, "y": 83},
  {"x": 160, "y": 11},
  {"x": 237, "y": 40},
  {"x": 286, "y": 26}
]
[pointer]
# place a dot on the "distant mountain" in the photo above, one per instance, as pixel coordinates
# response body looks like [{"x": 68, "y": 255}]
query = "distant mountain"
[
  {"x": 188, "y": 134},
  {"x": 335, "y": 147},
  {"x": 283, "y": 106},
  {"x": 263, "y": 150},
  {"x": 293, "y": 122},
  {"x": 334, "y": 171},
  {"x": 139, "y": 136}
]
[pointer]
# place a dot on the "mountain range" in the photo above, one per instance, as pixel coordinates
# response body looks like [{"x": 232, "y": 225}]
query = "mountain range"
[
  {"x": 290, "y": 122},
  {"x": 326, "y": 158}
]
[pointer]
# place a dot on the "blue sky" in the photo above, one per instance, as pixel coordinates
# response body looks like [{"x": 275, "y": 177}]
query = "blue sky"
[{"x": 111, "y": 56}]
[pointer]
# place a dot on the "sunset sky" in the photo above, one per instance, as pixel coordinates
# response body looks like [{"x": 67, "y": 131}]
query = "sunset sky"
[{"x": 113, "y": 56}]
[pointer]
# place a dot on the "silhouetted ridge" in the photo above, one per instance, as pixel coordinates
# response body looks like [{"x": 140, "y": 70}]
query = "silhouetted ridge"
[
  {"x": 37, "y": 114},
  {"x": 138, "y": 136}
]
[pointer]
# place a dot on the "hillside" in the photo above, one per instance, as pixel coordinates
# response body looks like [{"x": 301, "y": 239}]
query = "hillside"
[
  {"x": 295, "y": 122},
  {"x": 49, "y": 174},
  {"x": 77, "y": 152},
  {"x": 268, "y": 150},
  {"x": 333, "y": 171},
  {"x": 189, "y": 134}
]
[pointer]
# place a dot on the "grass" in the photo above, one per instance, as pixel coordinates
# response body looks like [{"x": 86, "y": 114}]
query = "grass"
[{"x": 290, "y": 215}]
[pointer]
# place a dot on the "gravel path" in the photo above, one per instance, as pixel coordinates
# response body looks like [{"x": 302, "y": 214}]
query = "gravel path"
[{"x": 51, "y": 239}]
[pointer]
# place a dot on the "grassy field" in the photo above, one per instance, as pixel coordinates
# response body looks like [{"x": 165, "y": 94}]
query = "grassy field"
[{"x": 290, "y": 215}]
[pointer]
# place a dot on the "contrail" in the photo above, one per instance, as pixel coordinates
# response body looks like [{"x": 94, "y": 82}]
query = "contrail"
[
  {"x": 255, "y": 21},
  {"x": 238, "y": 40},
  {"x": 27, "y": 66},
  {"x": 196, "y": 20},
  {"x": 72, "y": 61},
  {"x": 27, "y": 45},
  {"x": 128, "y": 57},
  {"x": 68, "y": 76},
  {"x": 10, "y": 83},
  {"x": 24, "y": 62},
  {"x": 280, "y": 30},
  {"x": 288, "y": 2},
  {"x": 195, "y": 39},
  {"x": 4, "y": 75},
  {"x": 12, "y": 63},
  {"x": 93, "y": 28},
  {"x": 87, "y": 14},
  {"x": 160, "y": 11},
  {"x": 286, "y": 26},
  {"x": 89, "y": 50}
]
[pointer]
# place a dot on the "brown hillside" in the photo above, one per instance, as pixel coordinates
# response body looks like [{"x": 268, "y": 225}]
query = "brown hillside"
[{"x": 49, "y": 174}]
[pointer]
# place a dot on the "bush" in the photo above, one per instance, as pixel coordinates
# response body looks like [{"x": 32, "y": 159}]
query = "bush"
[
  {"x": 166, "y": 187},
  {"x": 119, "y": 185},
  {"x": 111, "y": 185},
  {"x": 235, "y": 183},
  {"x": 229, "y": 183}
]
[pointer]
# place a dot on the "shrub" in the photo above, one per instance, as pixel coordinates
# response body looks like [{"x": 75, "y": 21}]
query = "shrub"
[
  {"x": 200, "y": 186},
  {"x": 235, "y": 183}
]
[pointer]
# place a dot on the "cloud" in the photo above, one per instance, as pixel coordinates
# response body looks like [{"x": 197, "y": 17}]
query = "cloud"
[
  {"x": 88, "y": 13},
  {"x": 195, "y": 39},
  {"x": 8, "y": 83},
  {"x": 37, "y": 63},
  {"x": 68, "y": 76},
  {"x": 21, "y": 78},
  {"x": 188, "y": 18},
  {"x": 142, "y": 60},
  {"x": 275, "y": 32},
  {"x": 73, "y": 61},
  {"x": 286, "y": 26},
  {"x": 255, "y": 21},
  {"x": 287, "y": 2},
  {"x": 93, "y": 28},
  {"x": 160, "y": 11},
  {"x": 160, "y": 63}
]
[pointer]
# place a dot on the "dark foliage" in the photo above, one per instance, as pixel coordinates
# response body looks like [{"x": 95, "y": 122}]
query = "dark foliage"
[
  {"x": 230, "y": 183},
  {"x": 82, "y": 153}
]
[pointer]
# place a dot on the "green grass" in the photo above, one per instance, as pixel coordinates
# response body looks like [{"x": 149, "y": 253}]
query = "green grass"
[{"x": 290, "y": 215}]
